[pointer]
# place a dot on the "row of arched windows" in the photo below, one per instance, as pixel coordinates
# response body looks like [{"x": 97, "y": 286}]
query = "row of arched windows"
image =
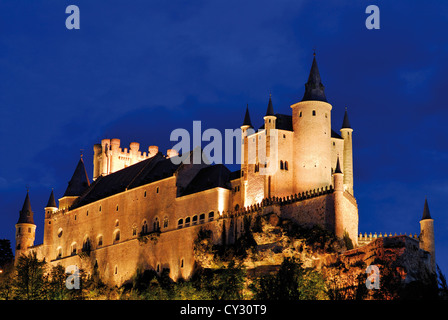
[{"x": 191, "y": 221}]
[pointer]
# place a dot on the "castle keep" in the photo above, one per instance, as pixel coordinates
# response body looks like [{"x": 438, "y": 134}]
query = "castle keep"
[{"x": 144, "y": 210}]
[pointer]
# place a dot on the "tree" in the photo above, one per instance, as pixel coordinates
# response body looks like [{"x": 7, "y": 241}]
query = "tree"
[
  {"x": 291, "y": 282},
  {"x": 30, "y": 281}
]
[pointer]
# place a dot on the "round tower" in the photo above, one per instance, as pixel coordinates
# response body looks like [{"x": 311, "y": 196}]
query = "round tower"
[
  {"x": 338, "y": 201},
  {"x": 347, "y": 134},
  {"x": 311, "y": 122},
  {"x": 245, "y": 128},
  {"x": 97, "y": 161},
  {"x": 427, "y": 234},
  {"x": 50, "y": 209},
  {"x": 270, "y": 163},
  {"x": 25, "y": 228}
]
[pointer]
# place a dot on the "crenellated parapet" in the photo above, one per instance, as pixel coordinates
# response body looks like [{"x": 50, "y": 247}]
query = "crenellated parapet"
[
  {"x": 297, "y": 197},
  {"x": 367, "y": 238},
  {"x": 109, "y": 157}
]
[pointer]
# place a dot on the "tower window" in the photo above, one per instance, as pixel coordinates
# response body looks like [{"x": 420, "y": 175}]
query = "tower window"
[
  {"x": 281, "y": 164},
  {"x": 314, "y": 112},
  {"x": 157, "y": 190},
  {"x": 144, "y": 195},
  {"x": 116, "y": 209},
  {"x": 300, "y": 114},
  {"x": 286, "y": 165}
]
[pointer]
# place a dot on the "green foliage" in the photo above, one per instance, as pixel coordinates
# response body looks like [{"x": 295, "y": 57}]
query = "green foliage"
[
  {"x": 316, "y": 237},
  {"x": 292, "y": 282},
  {"x": 30, "y": 281},
  {"x": 348, "y": 242}
]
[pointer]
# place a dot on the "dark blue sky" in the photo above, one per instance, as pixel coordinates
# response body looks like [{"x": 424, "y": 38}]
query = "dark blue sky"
[{"x": 138, "y": 69}]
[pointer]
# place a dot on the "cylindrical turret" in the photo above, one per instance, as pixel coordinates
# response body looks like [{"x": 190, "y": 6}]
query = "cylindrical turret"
[
  {"x": 347, "y": 134},
  {"x": 25, "y": 228},
  {"x": 97, "y": 164},
  {"x": 338, "y": 201},
  {"x": 311, "y": 121},
  {"x": 427, "y": 235}
]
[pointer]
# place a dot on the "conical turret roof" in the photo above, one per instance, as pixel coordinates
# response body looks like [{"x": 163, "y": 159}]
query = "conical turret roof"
[
  {"x": 346, "y": 123},
  {"x": 426, "y": 214},
  {"x": 314, "y": 89},
  {"x": 247, "y": 121},
  {"x": 270, "y": 110},
  {"x": 338, "y": 167},
  {"x": 26, "y": 214},
  {"x": 79, "y": 182},
  {"x": 51, "y": 201}
]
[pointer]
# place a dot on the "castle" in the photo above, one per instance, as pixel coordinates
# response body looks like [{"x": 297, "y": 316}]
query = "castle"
[{"x": 144, "y": 210}]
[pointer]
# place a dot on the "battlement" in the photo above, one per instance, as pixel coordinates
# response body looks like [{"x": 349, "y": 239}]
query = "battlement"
[
  {"x": 297, "y": 197},
  {"x": 366, "y": 239},
  {"x": 109, "y": 157}
]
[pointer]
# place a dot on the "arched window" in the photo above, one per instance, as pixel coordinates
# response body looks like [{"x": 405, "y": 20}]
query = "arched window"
[
  {"x": 99, "y": 241},
  {"x": 187, "y": 221},
  {"x": 314, "y": 112},
  {"x": 300, "y": 114},
  {"x": 59, "y": 253},
  {"x": 86, "y": 246},
  {"x": 202, "y": 218},
  {"x": 144, "y": 227},
  {"x": 281, "y": 164},
  {"x": 237, "y": 207},
  {"x": 134, "y": 230},
  {"x": 73, "y": 249},
  {"x": 116, "y": 236},
  {"x": 156, "y": 224},
  {"x": 180, "y": 223},
  {"x": 59, "y": 232},
  {"x": 194, "y": 220},
  {"x": 211, "y": 216},
  {"x": 165, "y": 222},
  {"x": 286, "y": 165}
]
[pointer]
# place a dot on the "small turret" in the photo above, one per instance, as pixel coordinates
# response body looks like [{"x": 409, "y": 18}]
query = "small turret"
[
  {"x": 25, "y": 228},
  {"x": 426, "y": 237},
  {"x": 338, "y": 177},
  {"x": 347, "y": 135},
  {"x": 50, "y": 209}
]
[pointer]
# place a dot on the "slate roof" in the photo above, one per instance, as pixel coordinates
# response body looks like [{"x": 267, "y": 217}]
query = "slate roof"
[
  {"x": 51, "y": 201},
  {"x": 426, "y": 214},
  {"x": 210, "y": 177},
  {"x": 346, "y": 123},
  {"x": 270, "y": 110},
  {"x": 247, "y": 121},
  {"x": 141, "y": 173},
  {"x": 79, "y": 181},
  {"x": 314, "y": 89},
  {"x": 26, "y": 214}
]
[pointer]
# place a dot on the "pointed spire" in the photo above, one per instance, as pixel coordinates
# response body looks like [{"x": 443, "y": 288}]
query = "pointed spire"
[
  {"x": 51, "y": 201},
  {"x": 346, "y": 123},
  {"x": 247, "y": 121},
  {"x": 26, "y": 214},
  {"x": 338, "y": 167},
  {"x": 79, "y": 182},
  {"x": 426, "y": 214},
  {"x": 270, "y": 110},
  {"x": 314, "y": 89}
]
